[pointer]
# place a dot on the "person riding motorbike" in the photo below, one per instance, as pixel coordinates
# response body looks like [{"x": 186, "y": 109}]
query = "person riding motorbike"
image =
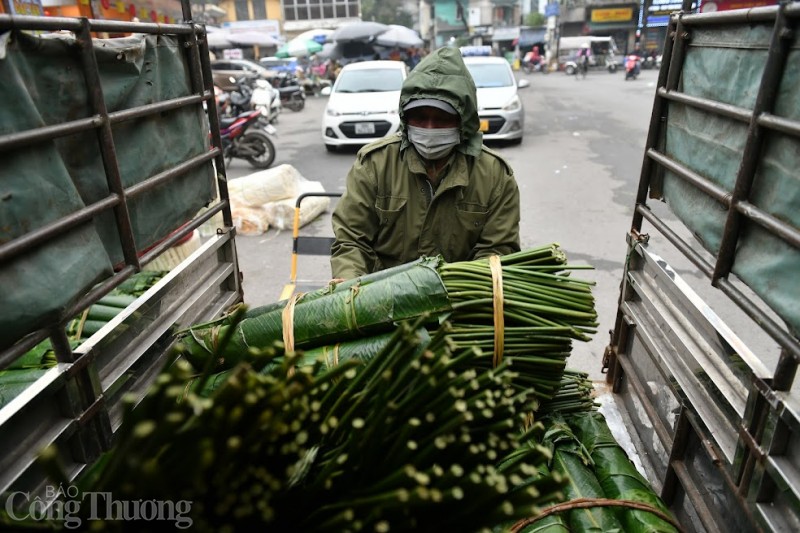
[
  {"x": 533, "y": 60},
  {"x": 632, "y": 67}
]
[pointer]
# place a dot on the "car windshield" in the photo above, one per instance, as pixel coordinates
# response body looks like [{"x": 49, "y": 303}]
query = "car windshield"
[
  {"x": 491, "y": 75},
  {"x": 376, "y": 80}
]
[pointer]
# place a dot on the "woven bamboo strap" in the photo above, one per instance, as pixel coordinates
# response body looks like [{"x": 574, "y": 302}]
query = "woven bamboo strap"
[
  {"x": 497, "y": 297},
  {"x": 287, "y": 318},
  {"x": 586, "y": 503}
]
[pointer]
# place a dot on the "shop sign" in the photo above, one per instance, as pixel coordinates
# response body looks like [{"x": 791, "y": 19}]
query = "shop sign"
[
  {"x": 666, "y": 7},
  {"x": 26, "y": 7},
  {"x": 615, "y": 14},
  {"x": 726, "y": 5},
  {"x": 270, "y": 27},
  {"x": 657, "y": 21}
]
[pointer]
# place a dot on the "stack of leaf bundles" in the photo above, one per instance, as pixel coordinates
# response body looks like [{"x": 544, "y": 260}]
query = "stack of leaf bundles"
[
  {"x": 604, "y": 492},
  {"x": 523, "y": 308}
]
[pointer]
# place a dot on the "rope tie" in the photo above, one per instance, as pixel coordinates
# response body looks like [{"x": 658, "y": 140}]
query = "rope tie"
[
  {"x": 497, "y": 303},
  {"x": 335, "y": 362},
  {"x": 287, "y": 319},
  {"x": 350, "y": 309},
  {"x": 587, "y": 503},
  {"x": 81, "y": 323}
]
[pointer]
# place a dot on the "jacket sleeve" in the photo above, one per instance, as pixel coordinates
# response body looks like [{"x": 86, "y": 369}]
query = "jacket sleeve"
[
  {"x": 355, "y": 224},
  {"x": 500, "y": 235}
]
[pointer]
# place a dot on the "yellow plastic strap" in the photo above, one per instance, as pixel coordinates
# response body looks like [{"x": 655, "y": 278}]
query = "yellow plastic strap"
[
  {"x": 288, "y": 324},
  {"x": 497, "y": 297}
]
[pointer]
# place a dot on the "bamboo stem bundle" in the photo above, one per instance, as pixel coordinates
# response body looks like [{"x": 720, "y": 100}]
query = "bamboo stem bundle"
[{"x": 408, "y": 440}]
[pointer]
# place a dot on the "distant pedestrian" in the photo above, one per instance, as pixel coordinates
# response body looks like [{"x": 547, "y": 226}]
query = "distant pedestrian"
[
  {"x": 412, "y": 58},
  {"x": 584, "y": 55}
]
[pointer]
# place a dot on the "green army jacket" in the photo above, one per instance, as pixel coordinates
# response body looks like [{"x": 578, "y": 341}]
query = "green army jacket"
[{"x": 391, "y": 214}]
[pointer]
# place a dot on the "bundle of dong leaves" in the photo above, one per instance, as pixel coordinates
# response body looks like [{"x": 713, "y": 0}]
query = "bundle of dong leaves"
[
  {"x": 20, "y": 374},
  {"x": 393, "y": 414}
]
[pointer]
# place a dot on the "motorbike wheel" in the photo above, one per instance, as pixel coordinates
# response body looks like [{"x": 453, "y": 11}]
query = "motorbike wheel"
[
  {"x": 258, "y": 142},
  {"x": 296, "y": 104},
  {"x": 570, "y": 70}
]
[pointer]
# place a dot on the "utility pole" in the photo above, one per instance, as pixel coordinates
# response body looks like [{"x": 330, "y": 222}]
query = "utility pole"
[{"x": 552, "y": 12}]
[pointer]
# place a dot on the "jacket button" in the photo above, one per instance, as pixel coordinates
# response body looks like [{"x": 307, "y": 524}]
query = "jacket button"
[
  {"x": 477, "y": 224},
  {"x": 422, "y": 189}
]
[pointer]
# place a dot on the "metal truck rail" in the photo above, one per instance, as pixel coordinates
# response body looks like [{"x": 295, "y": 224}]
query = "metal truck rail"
[
  {"x": 716, "y": 423},
  {"x": 77, "y": 404}
]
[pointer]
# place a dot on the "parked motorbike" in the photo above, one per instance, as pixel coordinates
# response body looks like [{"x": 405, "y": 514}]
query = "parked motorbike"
[
  {"x": 254, "y": 94},
  {"x": 267, "y": 100},
  {"x": 291, "y": 93},
  {"x": 651, "y": 61},
  {"x": 246, "y": 137}
]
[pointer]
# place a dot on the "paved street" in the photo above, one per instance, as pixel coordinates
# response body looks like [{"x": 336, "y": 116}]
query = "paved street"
[{"x": 577, "y": 169}]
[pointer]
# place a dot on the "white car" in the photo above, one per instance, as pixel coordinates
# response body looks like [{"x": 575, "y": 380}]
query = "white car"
[
  {"x": 363, "y": 103},
  {"x": 499, "y": 106}
]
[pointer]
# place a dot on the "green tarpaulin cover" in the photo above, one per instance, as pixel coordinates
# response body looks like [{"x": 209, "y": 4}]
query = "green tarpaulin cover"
[
  {"x": 727, "y": 66},
  {"x": 43, "y": 84}
]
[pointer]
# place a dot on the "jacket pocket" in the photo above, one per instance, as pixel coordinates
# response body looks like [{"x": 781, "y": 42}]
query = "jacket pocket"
[
  {"x": 389, "y": 242},
  {"x": 471, "y": 218},
  {"x": 389, "y": 209}
]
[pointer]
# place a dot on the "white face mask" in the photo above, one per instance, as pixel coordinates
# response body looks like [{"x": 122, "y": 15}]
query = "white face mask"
[{"x": 434, "y": 143}]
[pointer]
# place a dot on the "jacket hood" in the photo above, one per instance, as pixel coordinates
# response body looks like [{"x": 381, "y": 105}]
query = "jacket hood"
[{"x": 444, "y": 76}]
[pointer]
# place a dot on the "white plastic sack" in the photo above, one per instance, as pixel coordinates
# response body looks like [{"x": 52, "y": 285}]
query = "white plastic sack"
[
  {"x": 280, "y": 214},
  {"x": 249, "y": 220},
  {"x": 258, "y": 188}
]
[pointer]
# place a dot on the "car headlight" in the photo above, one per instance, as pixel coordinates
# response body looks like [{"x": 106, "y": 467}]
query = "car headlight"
[
  {"x": 332, "y": 112},
  {"x": 513, "y": 105}
]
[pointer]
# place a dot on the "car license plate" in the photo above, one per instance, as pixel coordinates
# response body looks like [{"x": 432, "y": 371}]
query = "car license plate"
[
  {"x": 365, "y": 128},
  {"x": 484, "y": 125}
]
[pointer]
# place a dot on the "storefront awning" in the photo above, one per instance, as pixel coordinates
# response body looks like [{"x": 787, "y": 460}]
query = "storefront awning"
[
  {"x": 505, "y": 34},
  {"x": 529, "y": 37},
  {"x": 603, "y": 29}
]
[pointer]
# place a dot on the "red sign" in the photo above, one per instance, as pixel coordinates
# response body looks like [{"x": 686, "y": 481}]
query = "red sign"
[{"x": 726, "y": 5}]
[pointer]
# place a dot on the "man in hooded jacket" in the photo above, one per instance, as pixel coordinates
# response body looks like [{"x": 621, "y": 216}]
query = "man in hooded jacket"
[{"x": 432, "y": 189}]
